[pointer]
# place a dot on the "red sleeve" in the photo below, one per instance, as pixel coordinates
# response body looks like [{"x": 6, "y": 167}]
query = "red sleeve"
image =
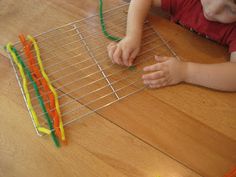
[
  {"x": 171, "y": 6},
  {"x": 232, "y": 41}
]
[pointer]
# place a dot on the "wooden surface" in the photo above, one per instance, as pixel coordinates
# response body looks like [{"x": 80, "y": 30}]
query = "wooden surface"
[{"x": 179, "y": 131}]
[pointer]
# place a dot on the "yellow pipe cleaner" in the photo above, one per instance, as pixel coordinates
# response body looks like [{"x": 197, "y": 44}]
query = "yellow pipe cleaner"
[
  {"x": 49, "y": 84},
  {"x": 26, "y": 91}
]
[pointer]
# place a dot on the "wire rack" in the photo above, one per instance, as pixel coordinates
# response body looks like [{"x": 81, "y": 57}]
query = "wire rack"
[{"x": 75, "y": 59}]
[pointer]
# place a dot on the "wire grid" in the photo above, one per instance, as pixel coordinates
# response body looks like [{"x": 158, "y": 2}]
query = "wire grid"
[{"x": 76, "y": 61}]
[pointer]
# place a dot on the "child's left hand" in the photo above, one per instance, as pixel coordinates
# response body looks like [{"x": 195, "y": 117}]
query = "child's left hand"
[{"x": 167, "y": 71}]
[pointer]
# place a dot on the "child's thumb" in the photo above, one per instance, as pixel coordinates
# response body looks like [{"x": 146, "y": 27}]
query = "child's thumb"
[
  {"x": 112, "y": 44},
  {"x": 132, "y": 57}
]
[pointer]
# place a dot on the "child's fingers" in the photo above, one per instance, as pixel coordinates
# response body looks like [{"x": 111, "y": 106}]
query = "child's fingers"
[
  {"x": 111, "y": 45},
  {"x": 154, "y": 75},
  {"x": 161, "y": 59},
  {"x": 117, "y": 56},
  {"x": 156, "y": 83},
  {"x": 154, "y": 67},
  {"x": 125, "y": 57},
  {"x": 155, "y": 86},
  {"x": 111, "y": 51},
  {"x": 132, "y": 57}
]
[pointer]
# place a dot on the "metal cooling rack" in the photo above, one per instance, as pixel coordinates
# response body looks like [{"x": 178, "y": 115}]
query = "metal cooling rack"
[{"x": 75, "y": 58}]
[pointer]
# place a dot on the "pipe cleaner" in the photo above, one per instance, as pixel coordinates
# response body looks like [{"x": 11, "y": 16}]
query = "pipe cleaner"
[
  {"x": 23, "y": 69},
  {"x": 37, "y": 76},
  {"x": 106, "y": 34},
  {"x": 109, "y": 36},
  {"x": 49, "y": 84}
]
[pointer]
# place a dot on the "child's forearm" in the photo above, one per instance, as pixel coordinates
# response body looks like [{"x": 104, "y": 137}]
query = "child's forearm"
[
  {"x": 137, "y": 13},
  {"x": 216, "y": 76}
]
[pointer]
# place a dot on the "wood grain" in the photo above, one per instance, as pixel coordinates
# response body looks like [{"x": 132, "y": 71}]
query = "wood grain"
[{"x": 182, "y": 130}]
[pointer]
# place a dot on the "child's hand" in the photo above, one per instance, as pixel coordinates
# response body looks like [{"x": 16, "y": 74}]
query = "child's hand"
[
  {"x": 167, "y": 71},
  {"x": 124, "y": 52}
]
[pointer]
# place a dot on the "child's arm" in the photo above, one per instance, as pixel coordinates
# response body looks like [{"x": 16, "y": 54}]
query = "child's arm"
[
  {"x": 137, "y": 13},
  {"x": 169, "y": 71},
  {"x": 127, "y": 49},
  {"x": 233, "y": 57},
  {"x": 216, "y": 76}
]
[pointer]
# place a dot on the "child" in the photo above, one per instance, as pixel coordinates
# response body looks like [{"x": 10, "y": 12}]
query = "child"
[{"x": 215, "y": 19}]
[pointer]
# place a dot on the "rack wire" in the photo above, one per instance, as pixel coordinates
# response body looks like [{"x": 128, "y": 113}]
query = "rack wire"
[{"x": 76, "y": 61}]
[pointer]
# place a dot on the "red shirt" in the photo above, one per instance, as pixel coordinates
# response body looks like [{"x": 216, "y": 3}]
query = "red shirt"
[{"x": 189, "y": 13}]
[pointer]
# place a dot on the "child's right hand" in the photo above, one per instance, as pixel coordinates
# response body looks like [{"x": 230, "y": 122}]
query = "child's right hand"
[{"x": 124, "y": 52}]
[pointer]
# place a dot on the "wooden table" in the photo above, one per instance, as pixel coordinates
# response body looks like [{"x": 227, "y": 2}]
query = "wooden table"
[{"x": 179, "y": 131}]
